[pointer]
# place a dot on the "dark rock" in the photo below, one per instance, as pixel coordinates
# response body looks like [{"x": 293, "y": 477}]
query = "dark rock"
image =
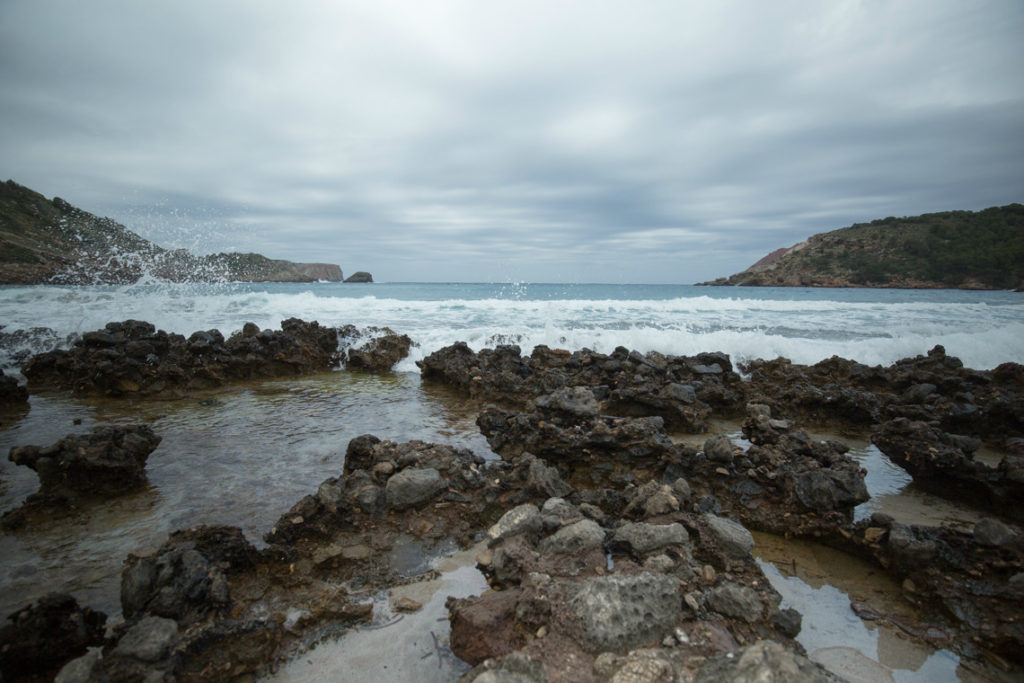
[
  {"x": 380, "y": 353},
  {"x": 110, "y": 460},
  {"x": 544, "y": 480},
  {"x": 11, "y": 393},
  {"x": 788, "y": 622},
  {"x": 359, "y": 276},
  {"x": 585, "y": 533},
  {"x": 941, "y": 463},
  {"x": 734, "y": 600},
  {"x": 590, "y": 451},
  {"x": 37, "y": 640},
  {"x": 993, "y": 532},
  {"x": 719, "y": 449},
  {"x": 830, "y": 489},
  {"x": 414, "y": 486},
  {"x": 574, "y": 401},
  {"x": 482, "y": 627},
  {"x": 177, "y": 582},
  {"x": 132, "y": 358},
  {"x": 225, "y": 546},
  {"x": 624, "y": 384},
  {"x": 151, "y": 639}
]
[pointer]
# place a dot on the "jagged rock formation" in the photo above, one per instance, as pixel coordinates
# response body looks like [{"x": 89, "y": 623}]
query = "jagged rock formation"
[
  {"x": 954, "y": 249},
  {"x": 44, "y": 241}
]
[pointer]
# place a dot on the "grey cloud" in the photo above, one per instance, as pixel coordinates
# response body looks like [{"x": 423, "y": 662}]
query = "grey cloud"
[{"x": 663, "y": 142}]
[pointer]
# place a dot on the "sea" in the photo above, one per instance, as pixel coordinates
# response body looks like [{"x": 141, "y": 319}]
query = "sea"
[
  {"x": 244, "y": 455},
  {"x": 806, "y": 325}
]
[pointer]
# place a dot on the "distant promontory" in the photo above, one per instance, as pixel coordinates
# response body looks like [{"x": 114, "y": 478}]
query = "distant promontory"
[
  {"x": 954, "y": 249},
  {"x": 46, "y": 241}
]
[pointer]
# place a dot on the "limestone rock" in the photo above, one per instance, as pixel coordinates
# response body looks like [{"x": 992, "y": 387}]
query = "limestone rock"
[
  {"x": 729, "y": 535},
  {"x": 641, "y": 538},
  {"x": 621, "y": 612},
  {"x": 585, "y": 533}
]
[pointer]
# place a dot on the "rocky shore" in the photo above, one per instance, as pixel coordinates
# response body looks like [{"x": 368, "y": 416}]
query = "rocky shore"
[{"x": 613, "y": 549}]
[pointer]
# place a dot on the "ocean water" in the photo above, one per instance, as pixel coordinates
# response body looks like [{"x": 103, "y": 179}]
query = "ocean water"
[{"x": 804, "y": 325}]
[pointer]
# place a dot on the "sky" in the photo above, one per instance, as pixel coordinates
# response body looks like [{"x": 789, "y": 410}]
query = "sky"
[{"x": 512, "y": 141}]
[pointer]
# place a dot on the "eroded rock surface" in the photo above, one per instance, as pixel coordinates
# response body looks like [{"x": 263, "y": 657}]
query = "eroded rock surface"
[
  {"x": 38, "y": 639},
  {"x": 108, "y": 461},
  {"x": 133, "y": 358},
  {"x": 943, "y": 463}
]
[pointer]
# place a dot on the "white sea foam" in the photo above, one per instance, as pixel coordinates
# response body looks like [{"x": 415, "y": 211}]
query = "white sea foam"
[{"x": 983, "y": 329}]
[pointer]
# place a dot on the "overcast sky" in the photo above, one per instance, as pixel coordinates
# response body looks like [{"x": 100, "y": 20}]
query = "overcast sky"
[{"x": 512, "y": 141}]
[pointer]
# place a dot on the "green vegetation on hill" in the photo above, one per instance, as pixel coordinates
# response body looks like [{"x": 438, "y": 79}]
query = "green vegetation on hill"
[{"x": 956, "y": 249}]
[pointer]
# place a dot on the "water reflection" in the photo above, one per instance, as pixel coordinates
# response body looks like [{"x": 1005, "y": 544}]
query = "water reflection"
[
  {"x": 821, "y": 583},
  {"x": 241, "y": 457}
]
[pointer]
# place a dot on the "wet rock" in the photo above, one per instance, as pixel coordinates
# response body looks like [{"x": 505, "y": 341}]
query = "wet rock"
[
  {"x": 619, "y": 447},
  {"x": 788, "y": 622},
  {"x": 993, "y": 532},
  {"x": 679, "y": 390},
  {"x": 736, "y": 601},
  {"x": 523, "y": 519},
  {"x": 177, "y": 582},
  {"x": 576, "y": 401},
  {"x": 414, "y": 486},
  {"x": 38, "y": 639},
  {"x": 640, "y": 538},
  {"x": 558, "y": 512},
  {"x": 681, "y": 490},
  {"x": 719, "y": 449},
  {"x": 108, "y": 461},
  {"x": 622, "y": 612},
  {"x": 151, "y": 639},
  {"x": 942, "y": 463},
  {"x": 764, "y": 661},
  {"x": 78, "y": 670},
  {"x": 830, "y": 489},
  {"x": 544, "y": 480},
  {"x": 911, "y": 548},
  {"x": 132, "y": 358},
  {"x": 381, "y": 353},
  {"x": 375, "y": 473},
  {"x": 729, "y": 535},
  {"x": 225, "y": 546},
  {"x": 11, "y": 393},
  {"x": 585, "y": 533},
  {"x": 652, "y": 499}
]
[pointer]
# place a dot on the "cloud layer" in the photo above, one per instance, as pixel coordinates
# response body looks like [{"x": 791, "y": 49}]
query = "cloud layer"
[{"x": 539, "y": 141}]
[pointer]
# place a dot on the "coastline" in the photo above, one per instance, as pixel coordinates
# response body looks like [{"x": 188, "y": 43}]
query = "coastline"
[{"x": 319, "y": 548}]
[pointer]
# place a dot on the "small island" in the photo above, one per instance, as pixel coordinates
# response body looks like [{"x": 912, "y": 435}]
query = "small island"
[
  {"x": 949, "y": 250},
  {"x": 45, "y": 241}
]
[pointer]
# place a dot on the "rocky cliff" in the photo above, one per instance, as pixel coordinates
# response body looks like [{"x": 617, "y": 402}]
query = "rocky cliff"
[
  {"x": 51, "y": 241},
  {"x": 954, "y": 249}
]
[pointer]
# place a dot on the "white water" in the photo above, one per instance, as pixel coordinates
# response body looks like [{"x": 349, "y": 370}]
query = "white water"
[{"x": 806, "y": 326}]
